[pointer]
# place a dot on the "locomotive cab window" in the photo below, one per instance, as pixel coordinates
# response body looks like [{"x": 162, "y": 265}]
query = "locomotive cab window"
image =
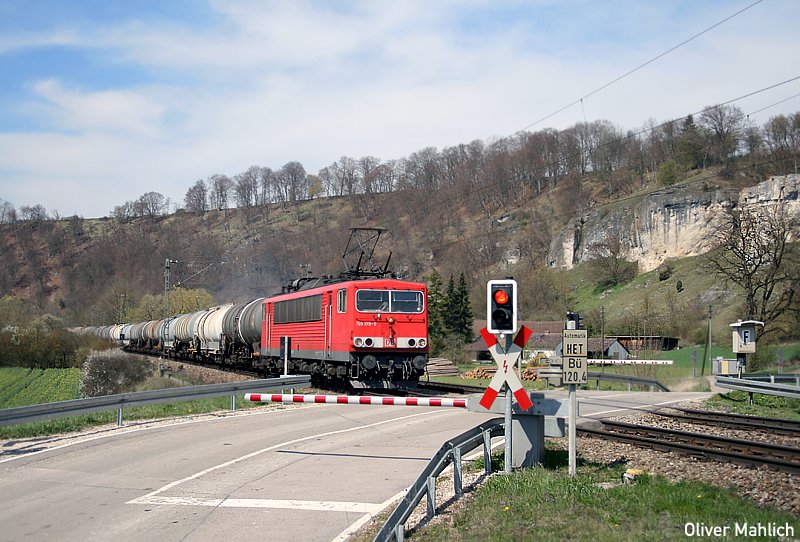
[
  {"x": 341, "y": 305},
  {"x": 408, "y": 302},
  {"x": 372, "y": 300},
  {"x": 399, "y": 301}
]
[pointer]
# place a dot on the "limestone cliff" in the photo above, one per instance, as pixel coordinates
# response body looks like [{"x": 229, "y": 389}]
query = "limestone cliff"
[{"x": 668, "y": 224}]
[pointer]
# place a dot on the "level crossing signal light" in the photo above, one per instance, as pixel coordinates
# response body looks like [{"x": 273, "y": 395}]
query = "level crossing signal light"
[
  {"x": 575, "y": 317},
  {"x": 501, "y": 306}
]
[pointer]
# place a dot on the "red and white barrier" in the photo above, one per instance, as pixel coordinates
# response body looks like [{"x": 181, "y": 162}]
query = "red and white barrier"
[{"x": 356, "y": 400}]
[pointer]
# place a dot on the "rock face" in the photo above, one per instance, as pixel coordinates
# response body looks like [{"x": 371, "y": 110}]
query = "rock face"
[{"x": 668, "y": 224}]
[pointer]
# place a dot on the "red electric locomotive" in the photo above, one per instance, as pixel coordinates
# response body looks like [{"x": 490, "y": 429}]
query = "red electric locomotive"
[
  {"x": 360, "y": 327},
  {"x": 372, "y": 330}
]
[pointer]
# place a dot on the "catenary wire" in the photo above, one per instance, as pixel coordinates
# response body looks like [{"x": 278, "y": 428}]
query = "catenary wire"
[
  {"x": 637, "y": 68},
  {"x": 630, "y": 135}
]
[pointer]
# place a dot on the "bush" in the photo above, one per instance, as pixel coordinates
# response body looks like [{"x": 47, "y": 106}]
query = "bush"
[
  {"x": 664, "y": 271},
  {"x": 43, "y": 343},
  {"x": 112, "y": 371}
]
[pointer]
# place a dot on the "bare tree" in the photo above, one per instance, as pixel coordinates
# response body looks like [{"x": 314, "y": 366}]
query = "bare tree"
[
  {"x": 220, "y": 186},
  {"x": 124, "y": 212},
  {"x": 723, "y": 125},
  {"x": 8, "y": 214},
  {"x": 151, "y": 204},
  {"x": 267, "y": 192},
  {"x": 369, "y": 168},
  {"x": 293, "y": 180},
  {"x": 782, "y": 137},
  {"x": 754, "y": 252},
  {"x": 196, "y": 199},
  {"x": 246, "y": 187},
  {"x": 341, "y": 177},
  {"x": 33, "y": 213}
]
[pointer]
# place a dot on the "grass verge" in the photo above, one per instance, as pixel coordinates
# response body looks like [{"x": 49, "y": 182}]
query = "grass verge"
[
  {"x": 771, "y": 406},
  {"x": 79, "y": 423},
  {"x": 547, "y": 504}
]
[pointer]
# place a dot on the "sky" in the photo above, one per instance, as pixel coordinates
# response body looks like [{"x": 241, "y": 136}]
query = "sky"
[{"x": 102, "y": 101}]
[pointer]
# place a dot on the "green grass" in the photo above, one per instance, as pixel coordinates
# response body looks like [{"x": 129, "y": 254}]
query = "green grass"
[
  {"x": 771, "y": 406},
  {"x": 547, "y": 504},
  {"x": 21, "y": 386},
  {"x": 147, "y": 412}
]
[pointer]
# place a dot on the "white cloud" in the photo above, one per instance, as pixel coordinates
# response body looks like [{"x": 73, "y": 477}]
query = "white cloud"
[
  {"x": 271, "y": 82},
  {"x": 114, "y": 111}
]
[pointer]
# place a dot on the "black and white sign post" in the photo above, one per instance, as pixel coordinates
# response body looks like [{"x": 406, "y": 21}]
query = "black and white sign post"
[{"x": 574, "y": 353}]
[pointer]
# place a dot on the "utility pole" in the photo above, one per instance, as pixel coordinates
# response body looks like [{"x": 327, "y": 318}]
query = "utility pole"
[
  {"x": 602, "y": 339},
  {"x": 708, "y": 344},
  {"x": 121, "y": 315},
  {"x": 167, "y": 263}
]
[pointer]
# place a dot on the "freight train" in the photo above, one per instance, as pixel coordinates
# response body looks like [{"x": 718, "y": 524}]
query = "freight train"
[{"x": 360, "y": 327}]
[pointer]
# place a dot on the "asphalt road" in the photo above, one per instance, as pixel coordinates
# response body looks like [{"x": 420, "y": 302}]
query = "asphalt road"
[{"x": 308, "y": 473}]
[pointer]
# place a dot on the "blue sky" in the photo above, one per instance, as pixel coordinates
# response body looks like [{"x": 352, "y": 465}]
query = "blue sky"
[{"x": 103, "y": 101}]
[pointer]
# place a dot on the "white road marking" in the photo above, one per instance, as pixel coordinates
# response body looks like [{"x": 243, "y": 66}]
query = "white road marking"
[
  {"x": 360, "y": 522},
  {"x": 368, "y": 510},
  {"x": 144, "y": 499},
  {"x": 282, "y": 504},
  {"x": 128, "y": 430}
]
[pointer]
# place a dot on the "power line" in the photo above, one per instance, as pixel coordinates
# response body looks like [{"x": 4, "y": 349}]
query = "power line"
[
  {"x": 639, "y": 67},
  {"x": 774, "y": 104}
]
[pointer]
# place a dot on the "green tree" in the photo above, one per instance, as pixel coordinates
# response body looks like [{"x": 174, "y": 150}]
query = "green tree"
[
  {"x": 691, "y": 151},
  {"x": 181, "y": 301},
  {"x": 451, "y": 307},
  {"x": 607, "y": 258},
  {"x": 436, "y": 310},
  {"x": 463, "y": 316},
  {"x": 668, "y": 172}
]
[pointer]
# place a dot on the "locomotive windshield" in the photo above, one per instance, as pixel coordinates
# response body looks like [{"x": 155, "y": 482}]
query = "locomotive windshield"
[{"x": 397, "y": 301}]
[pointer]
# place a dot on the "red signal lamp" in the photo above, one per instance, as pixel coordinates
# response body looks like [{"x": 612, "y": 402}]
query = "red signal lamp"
[{"x": 501, "y": 297}]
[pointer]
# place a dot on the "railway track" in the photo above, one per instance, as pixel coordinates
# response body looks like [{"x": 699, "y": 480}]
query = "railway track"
[
  {"x": 736, "y": 421},
  {"x": 702, "y": 446}
]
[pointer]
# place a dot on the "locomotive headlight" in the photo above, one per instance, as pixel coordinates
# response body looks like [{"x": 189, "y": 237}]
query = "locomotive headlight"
[
  {"x": 368, "y": 341},
  {"x": 412, "y": 343},
  {"x": 358, "y": 341},
  {"x": 423, "y": 343}
]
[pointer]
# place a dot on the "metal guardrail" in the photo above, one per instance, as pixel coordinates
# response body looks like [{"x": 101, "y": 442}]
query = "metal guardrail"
[
  {"x": 773, "y": 379},
  {"x": 11, "y": 416},
  {"x": 752, "y": 386},
  {"x": 630, "y": 380},
  {"x": 450, "y": 452}
]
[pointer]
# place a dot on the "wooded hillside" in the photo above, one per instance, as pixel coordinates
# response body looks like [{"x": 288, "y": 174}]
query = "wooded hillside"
[{"x": 485, "y": 209}]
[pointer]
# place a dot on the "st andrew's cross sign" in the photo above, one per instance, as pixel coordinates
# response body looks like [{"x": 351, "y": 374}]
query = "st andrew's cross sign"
[{"x": 505, "y": 368}]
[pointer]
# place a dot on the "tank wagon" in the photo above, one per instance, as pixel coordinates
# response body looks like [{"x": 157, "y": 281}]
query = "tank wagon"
[{"x": 360, "y": 326}]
